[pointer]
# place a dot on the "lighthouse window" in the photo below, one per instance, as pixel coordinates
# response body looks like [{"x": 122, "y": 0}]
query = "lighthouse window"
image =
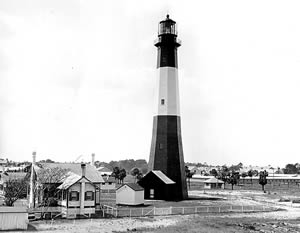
[
  {"x": 162, "y": 101},
  {"x": 160, "y": 146}
]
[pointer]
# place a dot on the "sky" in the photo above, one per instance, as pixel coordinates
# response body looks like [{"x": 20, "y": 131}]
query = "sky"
[{"x": 79, "y": 77}]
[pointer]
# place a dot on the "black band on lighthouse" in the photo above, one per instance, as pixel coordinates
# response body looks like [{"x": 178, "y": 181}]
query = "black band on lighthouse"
[{"x": 167, "y": 51}]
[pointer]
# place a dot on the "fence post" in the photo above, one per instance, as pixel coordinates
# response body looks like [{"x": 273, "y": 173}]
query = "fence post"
[
  {"x": 116, "y": 212},
  {"x": 170, "y": 209},
  {"x": 130, "y": 213},
  {"x": 219, "y": 209},
  {"x": 207, "y": 209},
  {"x": 154, "y": 210},
  {"x": 231, "y": 208},
  {"x": 195, "y": 210},
  {"x": 142, "y": 211},
  {"x": 182, "y": 210},
  {"x": 242, "y": 208}
]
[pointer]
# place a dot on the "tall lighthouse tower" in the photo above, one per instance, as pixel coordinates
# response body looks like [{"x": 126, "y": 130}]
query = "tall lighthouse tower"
[{"x": 166, "y": 152}]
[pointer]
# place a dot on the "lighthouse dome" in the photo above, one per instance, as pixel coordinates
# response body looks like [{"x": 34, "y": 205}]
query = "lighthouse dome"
[{"x": 167, "y": 26}]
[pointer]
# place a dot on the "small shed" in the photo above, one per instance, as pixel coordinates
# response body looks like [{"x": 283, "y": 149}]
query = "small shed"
[
  {"x": 13, "y": 218},
  {"x": 158, "y": 186},
  {"x": 130, "y": 194},
  {"x": 213, "y": 183}
]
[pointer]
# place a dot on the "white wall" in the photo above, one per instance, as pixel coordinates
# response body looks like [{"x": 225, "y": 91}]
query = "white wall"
[
  {"x": 12, "y": 218},
  {"x": 126, "y": 196}
]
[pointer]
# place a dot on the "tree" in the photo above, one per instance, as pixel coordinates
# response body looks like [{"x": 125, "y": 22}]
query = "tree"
[
  {"x": 122, "y": 175},
  {"x": 14, "y": 189},
  {"x": 224, "y": 174},
  {"x": 47, "y": 181},
  {"x": 116, "y": 173},
  {"x": 136, "y": 173},
  {"x": 290, "y": 169},
  {"x": 263, "y": 179},
  {"x": 188, "y": 175},
  {"x": 244, "y": 174},
  {"x": 250, "y": 174},
  {"x": 233, "y": 179},
  {"x": 214, "y": 172}
]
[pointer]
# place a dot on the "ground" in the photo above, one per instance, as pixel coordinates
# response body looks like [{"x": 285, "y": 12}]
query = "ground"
[{"x": 285, "y": 219}]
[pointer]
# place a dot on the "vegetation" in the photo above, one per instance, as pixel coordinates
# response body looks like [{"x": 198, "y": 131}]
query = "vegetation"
[
  {"x": 136, "y": 173},
  {"x": 188, "y": 175},
  {"x": 234, "y": 179},
  {"x": 263, "y": 179},
  {"x": 127, "y": 164},
  {"x": 14, "y": 189},
  {"x": 119, "y": 174},
  {"x": 47, "y": 181}
]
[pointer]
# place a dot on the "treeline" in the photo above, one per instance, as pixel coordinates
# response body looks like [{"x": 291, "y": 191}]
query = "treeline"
[{"x": 127, "y": 164}]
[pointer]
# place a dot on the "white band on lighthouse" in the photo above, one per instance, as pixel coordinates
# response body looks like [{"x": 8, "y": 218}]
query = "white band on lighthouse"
[{"x": 168, "y": 92}]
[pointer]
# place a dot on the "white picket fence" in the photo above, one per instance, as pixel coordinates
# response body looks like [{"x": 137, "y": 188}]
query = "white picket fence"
[{"x": 109, "y": 211}]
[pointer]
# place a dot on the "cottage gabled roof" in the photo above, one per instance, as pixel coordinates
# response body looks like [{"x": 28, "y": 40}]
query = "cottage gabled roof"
[
  {"x": 91, "y": 172},
  {"x": 162, "y": 177},
  {"x": 133, "y": 186},
  {"x": 71, "y": 179}
]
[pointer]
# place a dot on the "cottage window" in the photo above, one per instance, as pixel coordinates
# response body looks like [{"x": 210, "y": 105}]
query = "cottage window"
[
  {"x": 74, "y": 196},
  {"x": 162, "y": 101},
  {"x": 89, "y": 196},
  {"x": 64, "y": 196}
]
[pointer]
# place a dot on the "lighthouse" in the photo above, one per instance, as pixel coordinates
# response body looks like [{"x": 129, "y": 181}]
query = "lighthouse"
[{"x": 166, "y": 152}]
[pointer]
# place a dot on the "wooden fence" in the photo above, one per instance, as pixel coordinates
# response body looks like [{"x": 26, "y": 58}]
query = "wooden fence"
[{"x": 109, "y": 211}]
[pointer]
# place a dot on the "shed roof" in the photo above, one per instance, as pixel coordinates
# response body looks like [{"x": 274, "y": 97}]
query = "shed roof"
[
  {"x": 133, "y": 186},
  {"x": 213, "y": 180},
  {"x": 162, "y": 177}
]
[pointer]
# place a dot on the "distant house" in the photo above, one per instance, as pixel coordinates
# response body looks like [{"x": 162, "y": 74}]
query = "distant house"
[
  {"x": 109, "y": 184},
  {"x": 130, "y": 194},
  {"x": 77, "y": 195},
  {"x": 157, "y": 186},
  {"x": 213, "y": 183},
  {"x": 3, "y": 164},
  {"x": 104, "y": 171}
]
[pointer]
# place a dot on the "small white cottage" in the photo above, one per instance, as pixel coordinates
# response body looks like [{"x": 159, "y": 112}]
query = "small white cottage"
[
  {"x": 130, "y": 194},
  {"x": 213, "y": 183}
]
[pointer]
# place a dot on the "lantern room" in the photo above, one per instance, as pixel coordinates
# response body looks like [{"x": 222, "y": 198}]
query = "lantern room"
[{"x": 167, "y": 26}]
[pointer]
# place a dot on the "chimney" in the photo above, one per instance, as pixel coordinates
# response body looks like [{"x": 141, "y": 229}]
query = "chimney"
[
  {"x": 83, "y": 169},
  {"x": 33, "y": 157},
  {"x": 93, "y": 159}
]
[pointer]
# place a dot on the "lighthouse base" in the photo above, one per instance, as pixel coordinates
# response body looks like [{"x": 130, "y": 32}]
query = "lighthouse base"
[{"x": 166, "y": 153}]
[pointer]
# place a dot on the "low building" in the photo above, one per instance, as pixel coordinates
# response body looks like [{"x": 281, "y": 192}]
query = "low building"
[
  {"x": 157, "y": 186},
  {"x": 130, "y": 194},
  {"x": 77, "y": 196},
  {"x": 104, "y": 171},
  {"x": 13, "y": 218},
  {"x": 109, "y": 184},
  {"x": 213, "y": 183},
  {"x": 75, "y": 170}
]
